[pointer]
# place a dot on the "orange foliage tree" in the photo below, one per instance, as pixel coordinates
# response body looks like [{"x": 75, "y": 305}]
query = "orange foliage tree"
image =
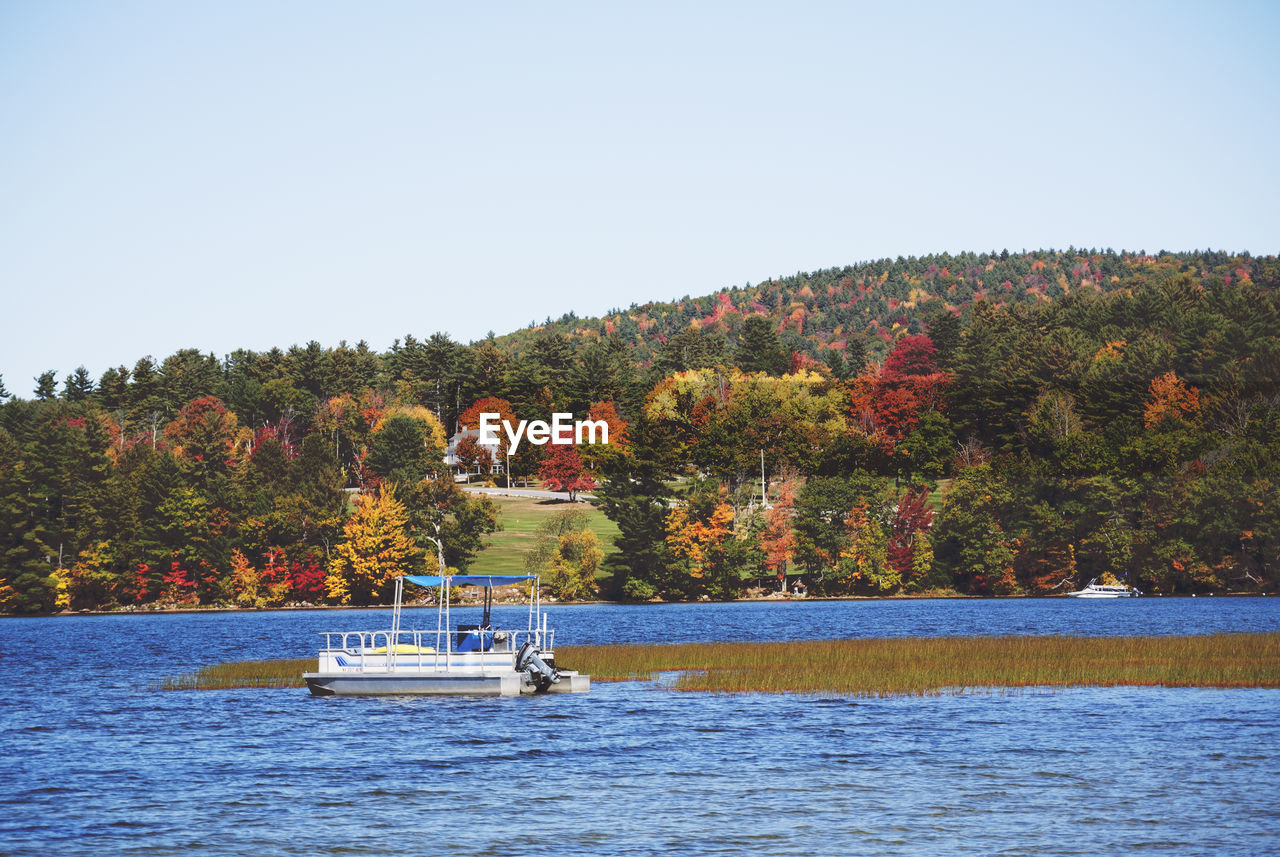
[
  {"x": 777, "y": 539},
  {"x": 696, "y": 536},
  {"x": 1170, "y": 398},
  {"x": 204, "y": 434},
  {"x": 470, "y": 418}
]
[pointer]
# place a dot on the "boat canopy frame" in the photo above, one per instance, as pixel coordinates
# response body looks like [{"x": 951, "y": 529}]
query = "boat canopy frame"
[{"x": 446, "y": 582}]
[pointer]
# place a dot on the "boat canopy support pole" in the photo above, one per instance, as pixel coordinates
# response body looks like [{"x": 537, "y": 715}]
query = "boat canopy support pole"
[{"x": 393, "y": 645}]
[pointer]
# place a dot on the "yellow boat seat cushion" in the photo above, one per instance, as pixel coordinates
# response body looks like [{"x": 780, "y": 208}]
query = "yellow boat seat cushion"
[{"x": 406, "y": 649}]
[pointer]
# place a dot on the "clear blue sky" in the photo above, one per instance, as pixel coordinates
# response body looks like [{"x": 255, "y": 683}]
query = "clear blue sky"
[{"x": 226, "y": 175}]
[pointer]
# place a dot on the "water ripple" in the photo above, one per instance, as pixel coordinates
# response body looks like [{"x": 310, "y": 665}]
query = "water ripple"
[{"x": 627, "y": 769}]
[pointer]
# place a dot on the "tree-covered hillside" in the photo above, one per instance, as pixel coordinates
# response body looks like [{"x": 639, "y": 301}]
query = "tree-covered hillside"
[
  {"x": 988, "y": 424},
  {"x": 870, "y": 304}
]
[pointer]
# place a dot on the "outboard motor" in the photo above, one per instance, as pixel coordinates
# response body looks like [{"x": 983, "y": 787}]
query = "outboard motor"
[{"x": 539, "y": 674}]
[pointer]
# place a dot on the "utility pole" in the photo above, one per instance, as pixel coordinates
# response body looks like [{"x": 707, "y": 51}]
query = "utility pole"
[{"x": 764, "y": 491}]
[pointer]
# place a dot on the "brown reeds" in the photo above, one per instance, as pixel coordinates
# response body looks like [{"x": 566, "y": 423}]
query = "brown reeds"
[
  {"x": 283, "y": 673},
  {"x": 879, "y": 667},
  {"x": 916, "y": 665}
]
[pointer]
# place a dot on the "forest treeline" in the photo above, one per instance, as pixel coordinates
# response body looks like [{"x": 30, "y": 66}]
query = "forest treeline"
[{"x": 983, "y": 423}]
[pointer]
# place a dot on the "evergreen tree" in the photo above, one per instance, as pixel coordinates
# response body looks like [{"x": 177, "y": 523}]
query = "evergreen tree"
[
  {"x": 596, "y": 376},
  {"x": 311, "y": 369},
  {"x": 554, "y": 353},
  {"x": 822, "y": 513},
  {"x": 691, "y": 348},
  {"x": 354, "y": 368},
  {"x": 113, "y": 389},
  {"x": 969, "y": 541},
  {"x": 834, "y": 361},
  {"x": 188, "y": 375},
  {"x": 78, "y": 386},
  {"x": 634, "y": 495},
  {"x": 46, "y": 386},
  {"x": 759, "y": 349},
  {"x": 317, "y": 479},
  {"x": 944, "y": 329},
  {"x": 146, "y": 405},
  {"x": 402, "y": 451},
  {"x": 855, "y": 356},
  {"x": 27, "y": 584}
]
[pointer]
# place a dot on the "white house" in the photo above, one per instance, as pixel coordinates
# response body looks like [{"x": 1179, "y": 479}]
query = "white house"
[{"x": 458, "y": 468}]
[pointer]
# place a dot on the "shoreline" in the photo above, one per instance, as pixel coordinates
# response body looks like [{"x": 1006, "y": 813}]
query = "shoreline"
[{"x": 149, "y": 610}]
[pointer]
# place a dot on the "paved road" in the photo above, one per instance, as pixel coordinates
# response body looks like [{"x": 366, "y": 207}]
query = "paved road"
[{"x": 523, "y": 492}]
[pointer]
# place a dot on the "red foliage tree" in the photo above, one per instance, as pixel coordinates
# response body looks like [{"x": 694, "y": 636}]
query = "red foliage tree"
[
  {"x": 306, "y": 578},
  {"x": 563, "y": 470},
  {"x": 913, "y": 515},
  {"x": 472, "y": 455},
  {"x": 908, "y": 384},
  {"x": 912, "y": 355}
]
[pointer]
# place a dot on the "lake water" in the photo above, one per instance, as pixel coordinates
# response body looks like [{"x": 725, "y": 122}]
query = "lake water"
[{"x": 95, "y": 762}]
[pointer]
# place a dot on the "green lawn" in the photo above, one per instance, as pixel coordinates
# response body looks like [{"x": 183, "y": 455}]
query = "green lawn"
[
  {"x": 938, "y": 495},
  {"x": 520, "y": 519}
]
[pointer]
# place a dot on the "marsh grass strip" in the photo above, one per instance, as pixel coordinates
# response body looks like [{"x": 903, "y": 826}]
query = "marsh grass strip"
[
  {"x": 281, "y": 673},
  {"x": 878, "y": 667},
  {"x": 916, "y": 665}
]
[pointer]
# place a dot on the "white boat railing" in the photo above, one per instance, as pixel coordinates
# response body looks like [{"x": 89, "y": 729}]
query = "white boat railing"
[
  {"x": 398, "y": 649},
  {"x": 434, "y": 649}
]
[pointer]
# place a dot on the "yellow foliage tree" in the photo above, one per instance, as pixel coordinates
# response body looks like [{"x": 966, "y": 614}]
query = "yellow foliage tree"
[
  {"x": 567, "y": 556},
  {"x": 91, "y": 578},
  {"x": 436, "y": 435},
  {"x": 245, "y": 580},
  {"x": 574, "y": 563},
  {"x": 865, "y": 558},
  {"x": 376, "y": 548}
]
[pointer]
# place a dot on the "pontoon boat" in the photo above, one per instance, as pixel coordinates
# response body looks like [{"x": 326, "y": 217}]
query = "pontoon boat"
[{"x": 469, "y": 659}]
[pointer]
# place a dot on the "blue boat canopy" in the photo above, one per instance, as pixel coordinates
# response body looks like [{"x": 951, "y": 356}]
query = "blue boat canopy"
[{"x": 469, "y": 579}]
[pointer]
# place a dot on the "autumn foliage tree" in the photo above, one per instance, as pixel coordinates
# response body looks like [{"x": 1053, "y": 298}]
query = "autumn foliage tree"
[
  {"x": 863, "y": 563},
  {"x": 204, "y": 434},
  {"x": 1170, "y": 398},
  {"x": 597, "y": 455},
  {"x": 1097, "y": 412},
  {"x": 470, "y": 418},
  {"x": 473, "y": 456},
  {"x": 777, "y": 539},
  {"x": 376, "y": 548},
  {"x": 912, "y": 519},
  {"x": 908, "y": 384},
  {"x": 698, "y": 533},
  {"x": 564, "y": 470},
  {"x": 566, "y": 556}
]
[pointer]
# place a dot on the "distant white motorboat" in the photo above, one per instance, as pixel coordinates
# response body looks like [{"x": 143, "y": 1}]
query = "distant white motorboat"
[
  {"x": 474, "y": 660},
  {"x": 1105, "y": 590}
]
